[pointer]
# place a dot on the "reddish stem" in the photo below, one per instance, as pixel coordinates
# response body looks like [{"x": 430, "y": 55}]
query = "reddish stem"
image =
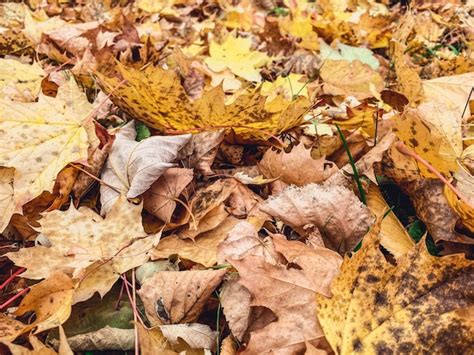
[
  {"x": 15, "y": 274},
  {"x": 12, "y": 299},
  {"x": 405, "y": 150}
]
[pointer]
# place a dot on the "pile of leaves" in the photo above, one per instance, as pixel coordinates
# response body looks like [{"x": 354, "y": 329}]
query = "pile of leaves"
[{"x": 237, "y": 177}]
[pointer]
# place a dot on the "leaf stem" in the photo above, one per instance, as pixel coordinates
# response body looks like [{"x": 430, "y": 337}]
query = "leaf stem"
[{"x": 405, "y": 150}]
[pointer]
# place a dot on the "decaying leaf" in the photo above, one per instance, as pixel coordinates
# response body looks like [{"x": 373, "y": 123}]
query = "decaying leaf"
[
  {"x": 418, "y": 305},
  {"x": 10, "y": 329},
  {"x": 51, "y": 300},
  {"x": 288, "y": 166},
  {"x": 91, "y": 249},
  {"x": 197, "y": 336},
  {"x": 159, "y": 200},
  {"x": 338, "y": 214},
  {"x": 289, "y": 291},
  {"x": 203, "y": 250},
  {"x": 356, "y": 79},
  {"x": 173, "y": 297},
  {"x": 7, "y": 205},
  {"x": 132, "y": 167},
  {"x": 170, "y": 109}
]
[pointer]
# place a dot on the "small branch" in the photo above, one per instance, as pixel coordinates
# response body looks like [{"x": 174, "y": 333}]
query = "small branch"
[
  {"x": 15, "y": 274},
  {"x": 12, "y": 299},
  {"x": 405, "y": 150}
]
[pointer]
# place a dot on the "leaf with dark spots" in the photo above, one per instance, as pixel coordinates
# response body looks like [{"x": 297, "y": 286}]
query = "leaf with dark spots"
[{"x": 419, "y": 306}]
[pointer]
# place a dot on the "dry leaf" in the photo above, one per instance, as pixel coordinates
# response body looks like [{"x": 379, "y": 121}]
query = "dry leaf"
[
  {"x": 132, "y": 167},
  {"x": 210, "y": 221},
  {"x": 7, "y": 205},
  {"x": 36, "y": 344},
  {"x": 340, "y": 217},
  {"x": 289, "y": 291},
  {"x": 197, "y": 336},
  {"x": 409, "y": 83},
  {"x": 152, "y": 341},
  {"x": 355, "y": 79},
  {"x": 236, "y": 301},
  {"x": 10, "y": 328},
  {"x": 288, "y": 166},
  {"x": 178, "y": 296},
  {"x": 89, "y": 248},
  {"x": 51, "y": 300},
  {"x": 393, "y": 235},
  {"x": 159, "y": 200},
  {"x": 106, "y": 338},
  {"x": 415, "y": 306},
  {"x": 202, "y": 251},
  {"x": 204, "y": 150}
]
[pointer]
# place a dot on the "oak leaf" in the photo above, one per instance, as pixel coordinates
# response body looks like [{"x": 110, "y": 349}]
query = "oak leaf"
[
  {"x": 415, "y": 306},
  {"x": 338, "y": 214},
  {"x": 50, "y": 134},
  {"x": 162, "y": 103},
  {"x": 132, "y": 167}
]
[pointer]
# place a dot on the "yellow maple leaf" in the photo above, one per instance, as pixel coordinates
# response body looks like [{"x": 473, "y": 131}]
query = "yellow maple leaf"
[
  {"x": 155, "y": 96},
  {"x": 411, "y": 307},
  {"x": 40, "y": 138},
  {"x": 20, "y": 81},
  {"x": 299, "y": 24},
  {"x": 282, "y": 91},
  {"x": 235, "y": 54}
]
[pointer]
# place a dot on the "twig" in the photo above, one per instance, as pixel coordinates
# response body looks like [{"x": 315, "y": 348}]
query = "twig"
[
  {"x": 135, "y": 315},
  {"x": 405, "y": 150}
]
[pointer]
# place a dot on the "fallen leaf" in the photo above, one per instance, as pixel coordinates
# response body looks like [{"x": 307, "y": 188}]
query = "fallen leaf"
[
  {"x": 49, "y": 134},
  {"x": 235, "y": 54},
  {"x": 236, "y": 301},
  {"x": 210, "y": 221},
  {"x": 287, "y": 166},
  {"x": 51, "y": 300},
  {"x": 343, "y": 78},
  {"x": 243, "y": 240},
  {"x": 338, "y": 214},
  {"x": 393, "y": 235},
  {"x": 132, "y": 167},
  {"x": 205, "y": 146},
  {"x": 36, "y": 344},
  {"x": 465, "y": 210},
  {"x": 348, "y": 53},
  {"x": 20, "y": 81},
  {"x": 94, "y": 250},
  {"x": 107, "y": 338},
  {"x": 283, "y": 91},
  {"x": 289, "y": 292},
  {"x": 197, "y": 336},
  {"x": 10, "y": 329},
  {"x": 409, "y": 82},
  {"x": 170, "y": 109},
  {"x": 152, "y": 340},
  {"x": 7, "y": 205},
  {"x": 159, "y": 200},
  {"x": 414, "y": 306},
  {"x": 453, "y": 91},
  {"x": 203, "y": 250},
  {"x": 171, "y": 297}
]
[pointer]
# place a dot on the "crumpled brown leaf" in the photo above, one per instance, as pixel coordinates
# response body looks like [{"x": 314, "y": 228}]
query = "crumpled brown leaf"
[
  {"x": 289, "y": 291},
  {"x": 338, "y": 214},
  {"x": 159, "y": 200},
  {"x": 171, "y": 297},
  {"x": 296, "y": 167}
]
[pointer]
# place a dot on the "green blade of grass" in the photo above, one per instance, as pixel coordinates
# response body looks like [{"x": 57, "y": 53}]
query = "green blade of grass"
[{"x": 354, "y": 168}]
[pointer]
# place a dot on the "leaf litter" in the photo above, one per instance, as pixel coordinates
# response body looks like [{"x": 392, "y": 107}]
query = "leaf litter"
[{"x": 236, "y": 177}]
